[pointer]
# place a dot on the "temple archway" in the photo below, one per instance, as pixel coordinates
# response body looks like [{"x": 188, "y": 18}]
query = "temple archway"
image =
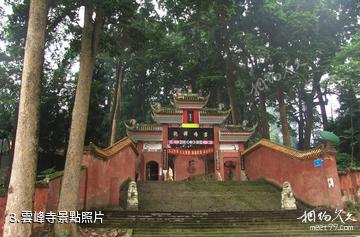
[{"x": 152, "y": 170}]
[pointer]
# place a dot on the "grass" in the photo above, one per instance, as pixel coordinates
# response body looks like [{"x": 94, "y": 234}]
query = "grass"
[{"x": 353, "y": 208}]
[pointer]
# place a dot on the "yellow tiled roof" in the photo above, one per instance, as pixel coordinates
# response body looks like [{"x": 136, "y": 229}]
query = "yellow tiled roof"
[
  {"x": 112, "y": 150},
  {"x": 301, "y": 155}
]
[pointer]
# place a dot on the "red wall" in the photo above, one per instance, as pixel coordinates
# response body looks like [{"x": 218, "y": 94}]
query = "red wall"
[
  {"x": 46, "y": 197},
  {"x": 2, "y": 212},
  {"x": 231, "y": 156},
  {"x": 350, "y": 185},
  {"x": 106, "y": 176},
  {"x": 182, "y": 170},
  {"x": 99, "y": 184},
  {"x": 309, "y": 183},
  {"x": 41, "y": 197},
  {"x": 152, "y": 156}
]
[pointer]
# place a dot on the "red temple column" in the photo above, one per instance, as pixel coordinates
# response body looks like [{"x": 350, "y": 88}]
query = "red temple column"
[
  {"x": 165, "y": 132},
  {"x": 217, "y": 160}
]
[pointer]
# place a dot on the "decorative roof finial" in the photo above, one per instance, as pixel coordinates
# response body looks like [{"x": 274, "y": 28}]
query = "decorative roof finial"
[
  {"x": 189, "y": 87},
  {"x": 221, "y": 106}
]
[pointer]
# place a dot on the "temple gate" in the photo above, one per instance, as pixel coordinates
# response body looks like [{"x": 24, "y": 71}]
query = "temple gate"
[{"x": 189, "y": 138}]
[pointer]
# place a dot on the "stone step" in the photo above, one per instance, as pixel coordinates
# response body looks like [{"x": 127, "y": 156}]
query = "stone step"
[
  {"x": 236, "y": 214},
  {"x": 211, "y": 224},
  {"x": 203, "y": 208},
  {"x": 182, "y": 233},
  {"x": 208, "y": 196}
]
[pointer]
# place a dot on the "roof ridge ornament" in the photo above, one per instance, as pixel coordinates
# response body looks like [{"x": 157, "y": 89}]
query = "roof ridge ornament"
[
  {"x": 189, "y": 89},
  {"x": 156, "y": 106}
]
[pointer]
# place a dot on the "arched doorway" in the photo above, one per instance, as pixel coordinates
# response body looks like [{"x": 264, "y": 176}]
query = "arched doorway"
[
  {"x": 152, "y": 170},
  {"x": 229, "y": 170}
]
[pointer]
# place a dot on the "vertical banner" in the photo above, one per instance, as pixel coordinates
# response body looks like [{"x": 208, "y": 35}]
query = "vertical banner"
[
  {"x": 217, "y": 160},
  {"x": 165, "y": 158}
]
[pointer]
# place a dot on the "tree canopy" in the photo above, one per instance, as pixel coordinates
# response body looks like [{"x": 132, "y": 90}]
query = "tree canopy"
[{"x": 285, "y": 65}]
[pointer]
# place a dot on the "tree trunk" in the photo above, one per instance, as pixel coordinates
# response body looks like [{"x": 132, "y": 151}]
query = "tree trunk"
[
  {"x": 283, "y": 118},
  {"x": 69, "y": 195},
  {"x": 218, "y": 96},
  {"x": 230, "y": 83},
  {"x": 1, "y": 151},
  {"x": 309, "y": 118},
  {"x": 301, "y": 122},
  {"x": 22, "y": 180},
  {"x": 263, "y": 121},
  {"x": 321, "y": 102},
  {"x": 116, "y": 101}
]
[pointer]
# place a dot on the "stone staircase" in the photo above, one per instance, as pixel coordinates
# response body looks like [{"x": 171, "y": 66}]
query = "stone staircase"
[
  {"x": 206, "y": 196},
  {"x": 216, "y": 209},
  {"x": 218, "y": 224}
]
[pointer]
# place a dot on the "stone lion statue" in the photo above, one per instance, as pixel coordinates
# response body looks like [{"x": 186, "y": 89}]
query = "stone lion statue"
[
  {"x": 132, "y": 200},
  {"x": 165, "y": 175},
  {"x": 218, "y": 176},
  {"x": 170, "y": 175},
  {"x": 288, "y": 201}
]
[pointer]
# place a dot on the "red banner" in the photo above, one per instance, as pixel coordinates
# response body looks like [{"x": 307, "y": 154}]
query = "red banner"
[{"x": 190, "y": 152}]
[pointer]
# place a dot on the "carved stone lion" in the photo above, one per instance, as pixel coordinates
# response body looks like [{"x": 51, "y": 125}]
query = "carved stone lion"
[
  {"x": 165, "y": 175},
  {"x": 288, "y": 201},
  {"x": 170, "y": 175},
  {"x": 218, "y": 176},
  {"x": 132, "y": 200}
]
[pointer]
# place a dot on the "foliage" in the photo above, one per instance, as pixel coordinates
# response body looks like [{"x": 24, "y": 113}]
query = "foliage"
[
  {"x": 345, "y": 78},
  {"x": 169, "y": 44},
  {"x": 353, "y": 208},
  {"x": 344, "y": 162}
]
